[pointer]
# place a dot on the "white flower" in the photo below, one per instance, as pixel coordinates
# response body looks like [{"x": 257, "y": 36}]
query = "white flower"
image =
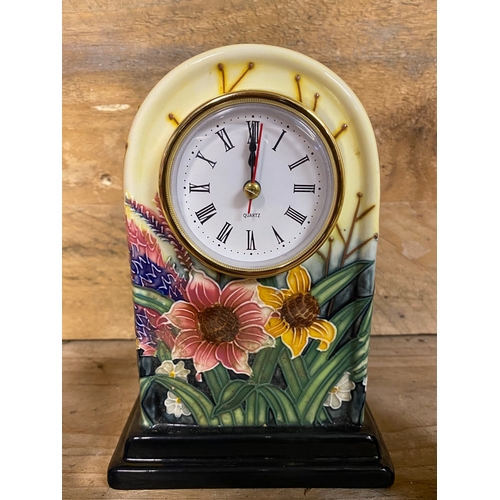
[
  {"x": 173, "y": 370},
  {"x": 175, "y": 406},
  {"x": 341, "y": 392}
]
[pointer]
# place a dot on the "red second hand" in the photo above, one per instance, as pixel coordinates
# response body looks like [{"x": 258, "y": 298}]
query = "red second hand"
[{"x": 256, "y": 163}]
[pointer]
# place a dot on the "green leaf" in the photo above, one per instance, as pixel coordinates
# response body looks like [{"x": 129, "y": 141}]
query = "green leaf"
[
  {"x": 362, "y": 349},
  {"x": 232, "y": 396},
  {"x": 162, "y": 351},
  {"x": 281, "y": 405},
  {"x": 265, "y": 361},
  {"x": 360, "y": 365},
  {"x": 260, "y": 360},
  {"x": 251, "y": 409},
  {"x": 262, "y": 410},
  {"x": 327, "y": 288},
  {"x": 360, "y": 357},
  {"x": 149, "y": 298},
  {"x": 238, "y": 416},
  {"x": 222, "y": 374},
  {"x": 314, "y": 394},
  {"x": 199, "y": 405},
  {"x": 323, "y": 416},
  {"x": 215, "y": 384},
  {"x": 144, "y": 385},
  {"x": 357, "y": 375},
  {"x": 343, "y": 320},
  {"x": 365, "y": 326},
  {"x": 359, "y": 371},
  {"x": 289, "y": 369},
  {"x": 268, "y": 281},
  {"x": 301, "y": 370},
  {"x": 351, "y": 356}
]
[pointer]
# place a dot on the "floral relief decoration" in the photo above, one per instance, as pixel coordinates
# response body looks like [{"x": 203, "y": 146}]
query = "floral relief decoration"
[
  {"x": 295, "y": 317},
  {"x": 248, "y": 352},
  {"x": 340, "y": 392},
  {"x": 218, "y": 326},
  {"x": 175, "y": 406}
]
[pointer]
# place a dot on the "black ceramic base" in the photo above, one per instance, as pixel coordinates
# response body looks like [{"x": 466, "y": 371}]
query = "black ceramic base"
[{"x": 250, "y": 458}]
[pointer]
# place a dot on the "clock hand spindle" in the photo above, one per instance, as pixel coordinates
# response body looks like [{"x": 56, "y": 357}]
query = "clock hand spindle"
[{"x": 254, "y": 170}]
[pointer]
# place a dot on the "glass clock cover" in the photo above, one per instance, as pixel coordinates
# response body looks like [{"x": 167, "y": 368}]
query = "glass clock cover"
[{"x": 243, "y": 141}]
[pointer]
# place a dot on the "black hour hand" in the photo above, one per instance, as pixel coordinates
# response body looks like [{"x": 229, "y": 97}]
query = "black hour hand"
[{"x": 253, "y": 127}]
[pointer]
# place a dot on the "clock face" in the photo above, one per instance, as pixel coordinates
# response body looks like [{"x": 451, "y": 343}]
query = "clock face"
[{"x": 251, "y": 183}]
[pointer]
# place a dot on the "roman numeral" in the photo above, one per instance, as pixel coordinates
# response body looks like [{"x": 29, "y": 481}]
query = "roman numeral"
[
  {"x": 253, "y": 130},
  {"x": 206, "y": 213},
  {"x": 210, "y": 162},
  {"x": 199, "y": 188},
  {"x": 296, "y": 216},
  {"x": 278, "y": 237},
  {"x": 283, "y": 132},
  {"x": 225, "y": 139},
  {"x": 304, "y": 188},
  {"x": 225, "y": 232},
  {"x": 250, "y": 240},
  {"x": 298, "y": 162}
]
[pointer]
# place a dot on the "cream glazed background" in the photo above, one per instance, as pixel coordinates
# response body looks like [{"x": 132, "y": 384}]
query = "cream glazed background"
[{"x": 275, "y": 69}]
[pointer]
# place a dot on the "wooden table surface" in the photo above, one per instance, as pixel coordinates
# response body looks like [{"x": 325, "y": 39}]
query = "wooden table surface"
[{"x": 100, "y": 386}]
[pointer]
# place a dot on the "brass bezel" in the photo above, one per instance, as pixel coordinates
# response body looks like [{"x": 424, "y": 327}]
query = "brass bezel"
[{"x": 215, "y": 105}]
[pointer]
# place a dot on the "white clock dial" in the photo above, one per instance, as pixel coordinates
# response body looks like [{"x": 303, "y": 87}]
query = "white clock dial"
[{"x": 251, "y": 184}]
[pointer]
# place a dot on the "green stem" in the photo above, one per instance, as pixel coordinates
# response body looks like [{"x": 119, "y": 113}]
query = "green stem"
[
  {"x": 283, "y": 407},
  {"x": 323, "y": 416},
  {"x": 263, "y": 410},
  {"x": 152, "y": 299},
  {"x": 144, "y": 384},
  {"x": 251, "y": 409},
  {"x": 311, "y": 351},
  {"x": 218, "y": 378},
  {"x": 301, "y": 370},
  {"x": 260, "y": 361},
  {"x": 276, "y": 410},
  {"x": 264, "y": 364},
  {"x": 215, "y": 384},
  {"x": 290, "y": 373},
  {"x": 238, "y": 416}
]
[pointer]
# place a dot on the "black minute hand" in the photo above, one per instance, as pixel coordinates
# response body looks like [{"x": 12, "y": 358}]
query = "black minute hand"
[{"x": 252, "y": 145}]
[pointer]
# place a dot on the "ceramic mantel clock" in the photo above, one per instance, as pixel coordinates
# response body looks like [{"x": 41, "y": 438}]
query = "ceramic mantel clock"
[{"x": 252, "y": 200}]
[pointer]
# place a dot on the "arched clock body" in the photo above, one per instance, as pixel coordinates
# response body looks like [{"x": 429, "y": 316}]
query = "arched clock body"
[{"x": 252, "y": 201}]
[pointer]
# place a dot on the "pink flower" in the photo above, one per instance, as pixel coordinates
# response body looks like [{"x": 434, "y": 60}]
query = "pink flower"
[{"x": 219, "y": 326}]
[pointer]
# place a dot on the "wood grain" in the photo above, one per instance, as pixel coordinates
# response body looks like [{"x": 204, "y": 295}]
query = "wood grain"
[
  {"x": 405, "y": 287},
  {"x": 100, "y": 386},
  {"x": 114, "y": 52}
]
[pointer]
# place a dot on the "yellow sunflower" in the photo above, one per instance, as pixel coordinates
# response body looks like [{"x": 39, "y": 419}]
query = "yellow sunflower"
[{"x": 295, "y": 316}]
